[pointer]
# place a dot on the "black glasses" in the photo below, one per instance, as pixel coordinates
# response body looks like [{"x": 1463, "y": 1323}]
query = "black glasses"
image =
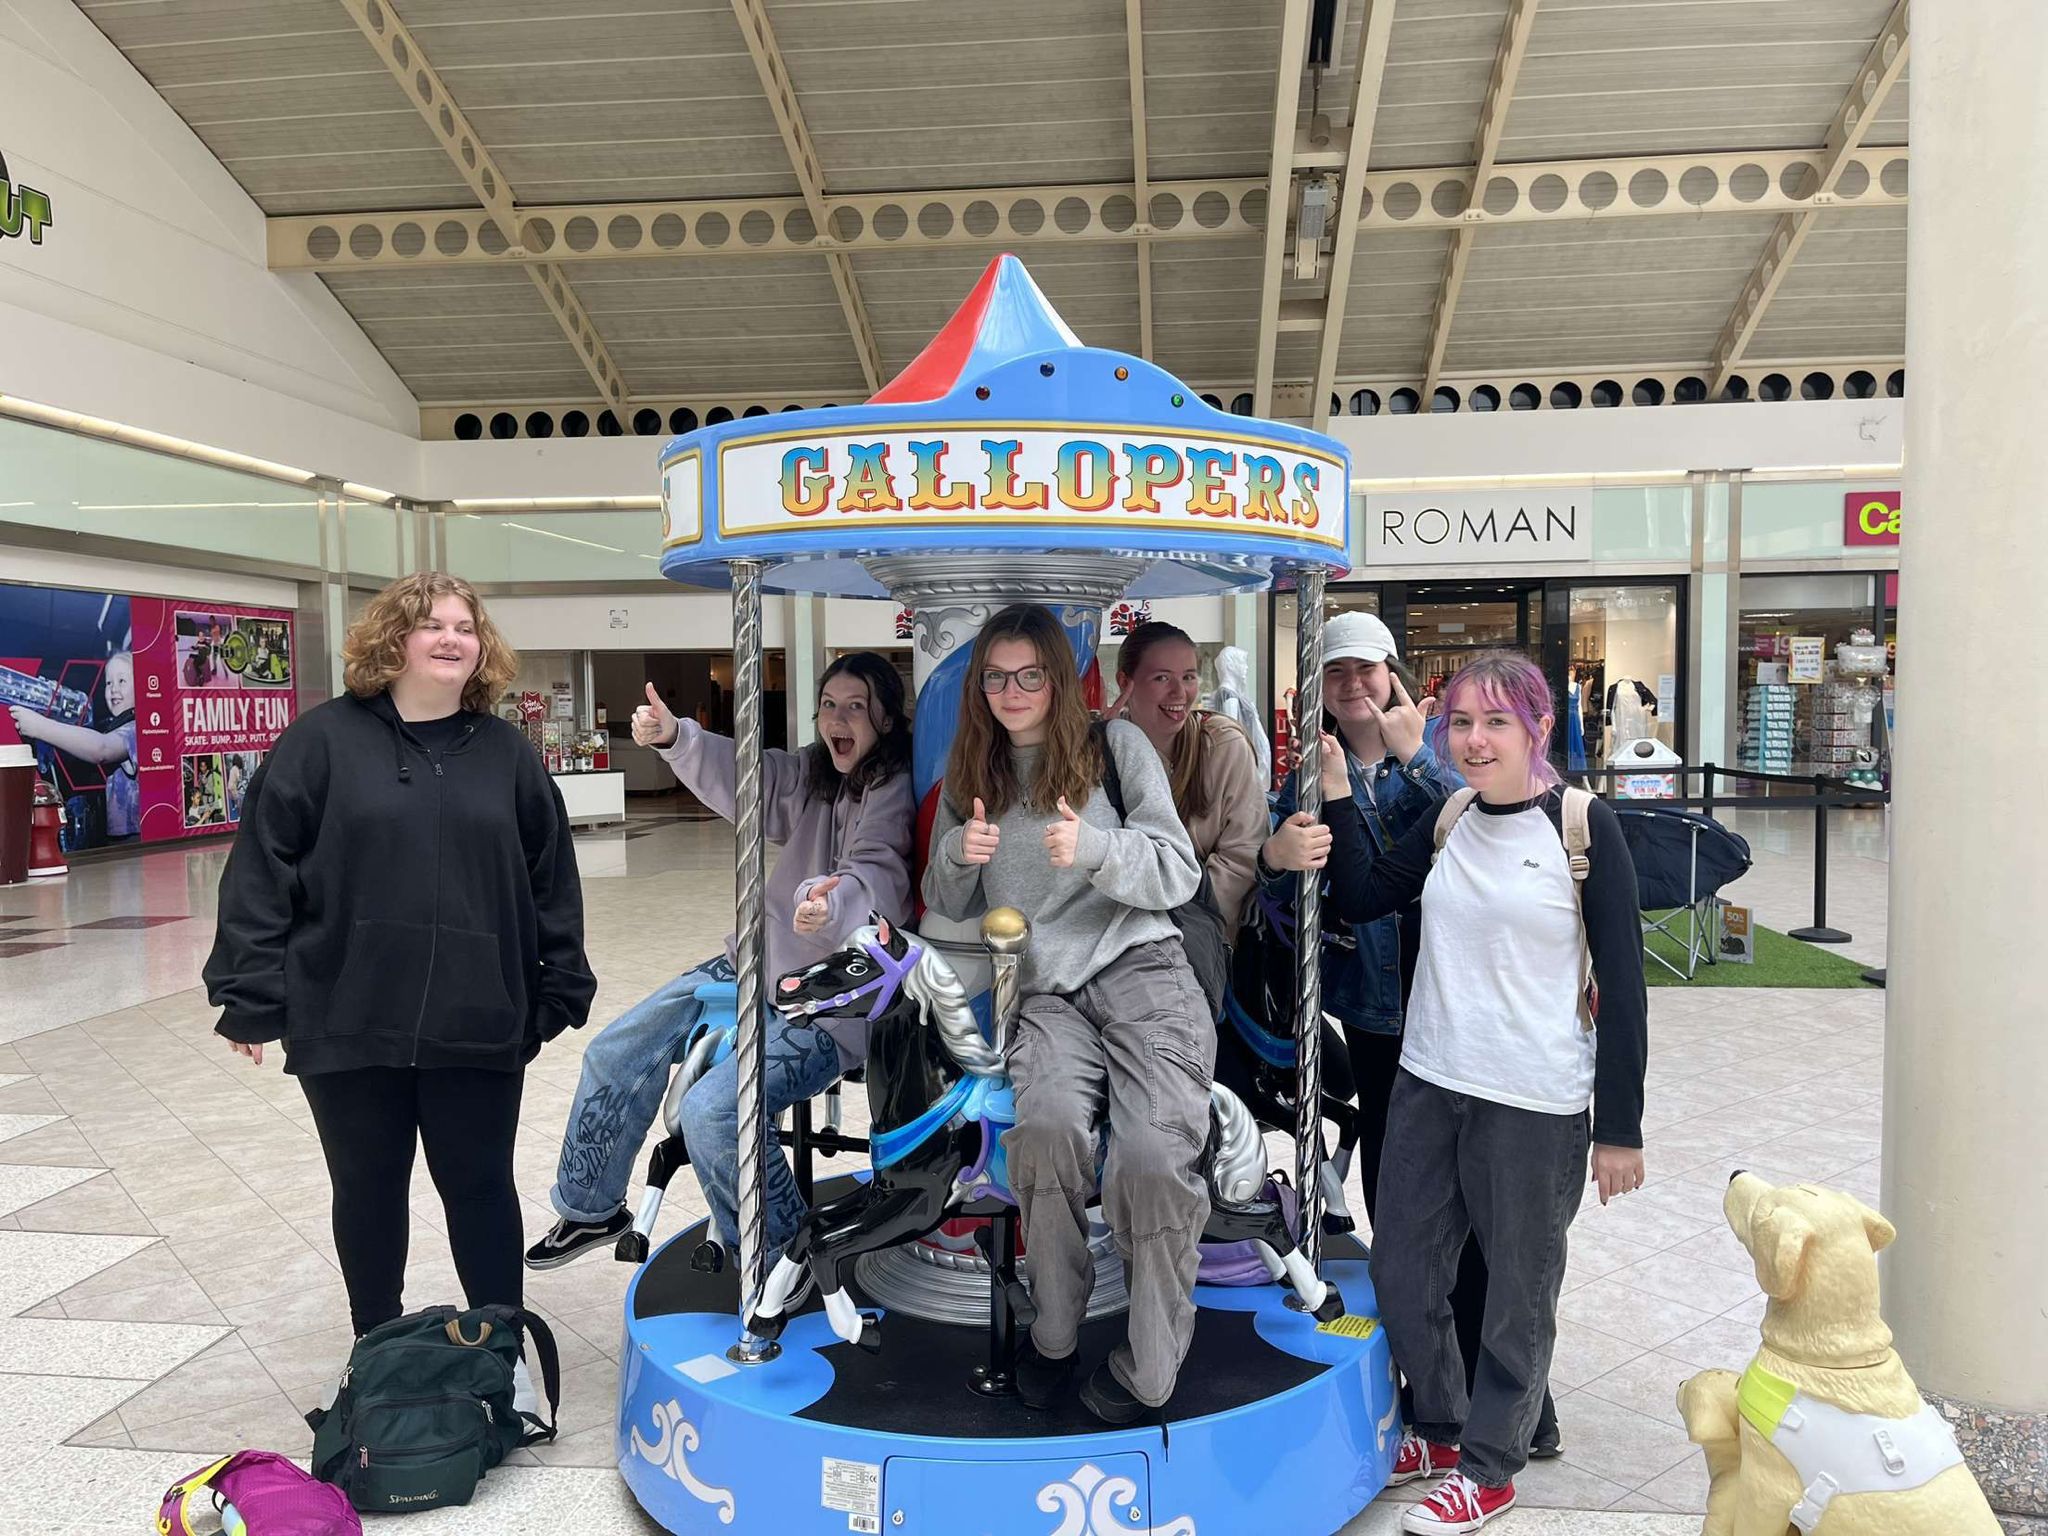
[{"x": 994, "y": 679}]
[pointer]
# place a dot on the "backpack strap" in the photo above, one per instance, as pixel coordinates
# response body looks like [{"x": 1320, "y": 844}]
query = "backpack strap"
[
  {"x": 1112, "y": 777},
  {"x": 1447, "y": 818},
  {"x": 549, "y": 1359},
  {"x": 1577, "y": 831}
]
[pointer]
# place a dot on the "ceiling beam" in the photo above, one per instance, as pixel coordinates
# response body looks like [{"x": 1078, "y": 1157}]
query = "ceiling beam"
[
  {"x": 424, "y": 88},
  {"x": 1874, "y": 79},
  {"x": 1287, "y": 68},
  {"x": 1543, "y": 191},
  {"x": 1493, "y": 116},
  {"x": 780, "y": 89},
  {"x": 1373, "y": 39},
  {"x": 1141, "y": 155}
]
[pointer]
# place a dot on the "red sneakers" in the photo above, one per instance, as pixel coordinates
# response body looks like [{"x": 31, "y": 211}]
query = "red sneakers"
[
  {"x": 1418, "y": 1458},
  {"x": 1458, "y": 1504}
]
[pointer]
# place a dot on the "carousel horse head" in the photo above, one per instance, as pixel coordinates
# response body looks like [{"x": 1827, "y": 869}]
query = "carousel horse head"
[{"x": 880, "y": 968}]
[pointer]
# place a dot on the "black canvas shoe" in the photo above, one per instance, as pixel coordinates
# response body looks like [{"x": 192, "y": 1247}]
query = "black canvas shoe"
[
  {"x": 1108, "y": 1399},
  {"x": 566, "y": 1239},
  {"x": 1041, "y": 1383}
]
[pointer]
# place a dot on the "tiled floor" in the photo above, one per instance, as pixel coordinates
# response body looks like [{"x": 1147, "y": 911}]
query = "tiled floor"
[{"x": 167, "y": 1282}]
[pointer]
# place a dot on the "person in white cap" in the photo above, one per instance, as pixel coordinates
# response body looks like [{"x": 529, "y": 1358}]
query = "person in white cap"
[{"x": 1373, "y": 751}]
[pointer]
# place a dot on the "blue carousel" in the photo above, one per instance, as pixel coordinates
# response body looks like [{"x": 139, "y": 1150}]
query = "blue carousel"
[{"x": 863, "y": 1383}]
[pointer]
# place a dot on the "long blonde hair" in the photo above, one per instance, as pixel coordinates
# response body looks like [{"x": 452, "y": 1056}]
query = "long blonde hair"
[
  {"x": 374, "y": 652},
  {"x": 1069, "y": 764}
]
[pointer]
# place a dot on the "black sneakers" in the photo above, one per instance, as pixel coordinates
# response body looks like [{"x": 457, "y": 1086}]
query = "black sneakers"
[
  {"x": 1041, "y": 1383},
  {"x": 1106, "y": 1397},
  {"x": 566, "y": 1239}
]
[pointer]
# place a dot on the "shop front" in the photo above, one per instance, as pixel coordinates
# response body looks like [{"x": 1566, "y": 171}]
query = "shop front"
[{"x": 1563, "y": 581}]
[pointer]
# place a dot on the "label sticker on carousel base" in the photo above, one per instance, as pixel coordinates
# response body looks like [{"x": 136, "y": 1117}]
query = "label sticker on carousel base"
[
  {"x": 1350, "y": 1326},
  {"x": 854, "y": 1488}
]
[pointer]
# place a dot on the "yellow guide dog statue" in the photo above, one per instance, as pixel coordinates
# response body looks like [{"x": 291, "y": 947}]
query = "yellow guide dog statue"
[{"x": 1825, "y": 1432}]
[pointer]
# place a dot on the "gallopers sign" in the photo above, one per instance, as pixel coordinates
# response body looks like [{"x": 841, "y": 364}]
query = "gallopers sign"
[{"x": 1015, "y": 476}]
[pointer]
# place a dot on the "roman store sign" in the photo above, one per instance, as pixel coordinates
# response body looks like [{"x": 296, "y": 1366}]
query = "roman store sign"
[{"x": 1539, "y": 525}]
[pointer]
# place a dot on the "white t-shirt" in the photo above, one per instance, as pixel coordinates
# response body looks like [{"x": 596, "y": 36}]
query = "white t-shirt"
[{"x": 1494, "y": 1011}]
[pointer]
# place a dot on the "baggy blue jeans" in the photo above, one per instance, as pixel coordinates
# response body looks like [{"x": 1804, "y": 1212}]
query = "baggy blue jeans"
[{"x": 625, "y": 1077}]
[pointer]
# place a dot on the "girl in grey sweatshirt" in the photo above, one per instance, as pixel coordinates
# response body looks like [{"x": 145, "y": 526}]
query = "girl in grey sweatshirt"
[{"x": 1113, "y": 1024}]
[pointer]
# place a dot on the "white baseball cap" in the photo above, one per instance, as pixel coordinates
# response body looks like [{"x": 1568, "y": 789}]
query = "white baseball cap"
[{"x": 1357, "y": 634}]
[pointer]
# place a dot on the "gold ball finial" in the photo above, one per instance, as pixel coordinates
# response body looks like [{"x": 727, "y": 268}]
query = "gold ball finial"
[{"x": 1005, "y": 931}]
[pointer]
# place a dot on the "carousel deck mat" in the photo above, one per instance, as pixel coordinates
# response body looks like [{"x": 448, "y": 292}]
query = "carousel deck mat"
[{"x": 917, "y": 1385}]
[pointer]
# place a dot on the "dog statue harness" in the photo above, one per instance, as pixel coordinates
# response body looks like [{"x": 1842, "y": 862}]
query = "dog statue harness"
[{"x": 1835, "y": 1451}]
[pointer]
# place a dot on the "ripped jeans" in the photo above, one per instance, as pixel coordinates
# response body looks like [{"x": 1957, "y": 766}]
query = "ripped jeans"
[{"x": 625, "y": 1077}]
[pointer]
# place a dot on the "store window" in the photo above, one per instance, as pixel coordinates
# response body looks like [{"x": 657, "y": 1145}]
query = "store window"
[
  {"x": 1444, "y": 632},
  {"x": 1815, "y": 676},
  {"x": 1621, "y": 669},
  {"x": 1283, "y": 651}
]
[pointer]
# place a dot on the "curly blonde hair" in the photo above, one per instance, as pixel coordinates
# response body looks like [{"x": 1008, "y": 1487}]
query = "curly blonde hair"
[{"x": 374, "y": 651}]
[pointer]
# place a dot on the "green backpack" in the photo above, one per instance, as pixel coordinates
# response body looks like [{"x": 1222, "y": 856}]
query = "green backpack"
[{"x": 425, "y": 1407}]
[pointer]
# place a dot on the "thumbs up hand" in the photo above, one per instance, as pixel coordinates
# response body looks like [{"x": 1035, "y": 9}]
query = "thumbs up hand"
[
  {"x": 653, "y": 724},
  {"x": 1062, "y": 837},
  {"x": 813, "y": 911},
  {"x": 979, "y": 837}
]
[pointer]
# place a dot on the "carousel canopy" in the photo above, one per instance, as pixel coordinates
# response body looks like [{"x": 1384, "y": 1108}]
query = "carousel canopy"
[{"x": 1007, "y": 436}]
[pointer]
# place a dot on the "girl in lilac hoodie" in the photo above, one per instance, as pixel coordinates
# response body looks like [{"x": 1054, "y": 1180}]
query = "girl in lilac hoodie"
[{"x": 843, "y": 812}]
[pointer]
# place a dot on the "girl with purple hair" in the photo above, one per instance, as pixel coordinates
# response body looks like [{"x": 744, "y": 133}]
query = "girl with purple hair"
[{"x": 1488, "y": 1130}]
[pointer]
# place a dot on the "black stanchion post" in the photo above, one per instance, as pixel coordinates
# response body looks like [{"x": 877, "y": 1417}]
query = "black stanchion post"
[
  {"x": 1707, "y": 790},
  {"x": 1820, "y": 932}
]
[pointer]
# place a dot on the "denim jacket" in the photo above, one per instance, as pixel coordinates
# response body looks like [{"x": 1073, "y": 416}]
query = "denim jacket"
[{"x": 1362, "y": 969}]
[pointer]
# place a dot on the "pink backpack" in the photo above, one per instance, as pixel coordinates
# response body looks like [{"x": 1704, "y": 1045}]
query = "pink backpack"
[{"x": 271, "y": 1495}]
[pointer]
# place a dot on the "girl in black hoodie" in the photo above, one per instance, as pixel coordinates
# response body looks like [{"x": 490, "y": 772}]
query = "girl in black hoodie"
[{"x": 402, "y": 913}]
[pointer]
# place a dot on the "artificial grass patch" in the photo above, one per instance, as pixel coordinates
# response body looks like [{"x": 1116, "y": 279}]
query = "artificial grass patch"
[{"x": 1780, "y": 962}]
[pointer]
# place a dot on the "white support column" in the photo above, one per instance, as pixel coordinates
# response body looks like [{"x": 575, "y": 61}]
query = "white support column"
[
  {"x": 803, "y": 665},
  {"x": 1966, "y": 1054}
]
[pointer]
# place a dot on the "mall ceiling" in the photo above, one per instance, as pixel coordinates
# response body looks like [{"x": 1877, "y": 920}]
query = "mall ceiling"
[{"x": 668, "y": 205}]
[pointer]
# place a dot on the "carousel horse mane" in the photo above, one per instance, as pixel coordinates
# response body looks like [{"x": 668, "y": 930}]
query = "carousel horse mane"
[
  {"x": 936, "y": 988},
  {"x": 1240, "y": 1169}
]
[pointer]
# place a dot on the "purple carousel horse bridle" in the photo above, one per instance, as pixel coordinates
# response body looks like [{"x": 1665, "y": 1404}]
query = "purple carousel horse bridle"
[{"x": 894, "y": 973}]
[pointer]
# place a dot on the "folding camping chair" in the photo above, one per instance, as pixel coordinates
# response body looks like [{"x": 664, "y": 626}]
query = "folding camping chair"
[{"x": 1682, "y": 860}]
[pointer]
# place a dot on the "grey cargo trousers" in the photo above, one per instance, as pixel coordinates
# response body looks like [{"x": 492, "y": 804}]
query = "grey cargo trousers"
[{"x": 1136, "y": 1043}]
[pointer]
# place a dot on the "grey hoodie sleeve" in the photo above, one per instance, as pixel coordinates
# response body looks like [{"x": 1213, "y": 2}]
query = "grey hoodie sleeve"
[
  {"x": 1148, "y": 863},
  {"x": 874, "y": 871},
  {"x": 708, "y": 765},
  {"x": 952, "y": 886}
]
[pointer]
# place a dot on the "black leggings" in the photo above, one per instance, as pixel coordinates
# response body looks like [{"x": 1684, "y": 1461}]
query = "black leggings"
[
  {"x": 1375, "y": 1059},
  {"x": 369, "y": 1121}
]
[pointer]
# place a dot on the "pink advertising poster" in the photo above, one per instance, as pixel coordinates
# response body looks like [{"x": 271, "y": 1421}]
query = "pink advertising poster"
[{"x": 214, "y": 688}]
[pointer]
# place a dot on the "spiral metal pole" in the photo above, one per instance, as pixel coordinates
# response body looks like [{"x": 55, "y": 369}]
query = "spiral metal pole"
[
  {"x": 1308, "y": 927},
  {"x": 753, "y": 1123}
]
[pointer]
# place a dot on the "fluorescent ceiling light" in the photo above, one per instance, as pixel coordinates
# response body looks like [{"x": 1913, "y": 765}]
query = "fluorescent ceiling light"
[
  {"x": 558, "y": 504},
  {"x": 547, "y": 533},
  {"x": 158, "y": 442},
  {"x": 185, "y": 506}
]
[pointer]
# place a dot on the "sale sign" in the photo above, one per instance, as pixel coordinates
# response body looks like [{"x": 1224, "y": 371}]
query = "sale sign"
[{"x": 1870, "y": 517}]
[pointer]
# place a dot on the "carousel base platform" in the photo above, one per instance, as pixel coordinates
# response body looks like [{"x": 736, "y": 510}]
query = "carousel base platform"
[{"x": 1278, "y": 1424}]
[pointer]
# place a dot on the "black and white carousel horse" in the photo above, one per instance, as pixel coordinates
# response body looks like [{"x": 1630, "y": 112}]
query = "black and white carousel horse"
[{"x": 939, "y": 1100}]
